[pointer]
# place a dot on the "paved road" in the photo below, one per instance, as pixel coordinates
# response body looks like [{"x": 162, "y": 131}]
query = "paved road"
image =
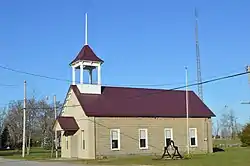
[{"x": 9, "y": 162}]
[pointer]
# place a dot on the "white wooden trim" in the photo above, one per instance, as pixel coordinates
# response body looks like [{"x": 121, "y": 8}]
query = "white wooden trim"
[
  {"x": 85, "y": 63},
  {"x": 119, "y": 139},
  {"x": 81, "y": 74},
  {"x": 146, "y": 133},
  {"x": 67, "y": 142},
  {"x": 73, "y": 75},
  {"x": 165, "y": 136},
  {"x": 83, "y": 138},
  {"x": 196, "y": 139},
  {"x": 99, "y": 74}
]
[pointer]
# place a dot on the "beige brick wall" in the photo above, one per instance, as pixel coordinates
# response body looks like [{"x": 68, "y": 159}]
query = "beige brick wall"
[
  {"x": 65, "y": 152},
  {"x": 129, "y": 128},
  {"x": 73, "y": 108},
  {"x": 97, "y": 133}
]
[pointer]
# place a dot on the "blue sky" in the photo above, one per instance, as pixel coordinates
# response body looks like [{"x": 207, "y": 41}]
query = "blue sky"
[{"x": 140, "y": 41}]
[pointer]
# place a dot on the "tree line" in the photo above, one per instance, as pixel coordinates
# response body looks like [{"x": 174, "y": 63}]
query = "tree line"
[
  {"x": 40, "y": 116},
  {"x": 227, "y": 127}
]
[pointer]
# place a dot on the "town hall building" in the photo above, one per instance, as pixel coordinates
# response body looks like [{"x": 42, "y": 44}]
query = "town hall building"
[{"x": 99, "y": 120}]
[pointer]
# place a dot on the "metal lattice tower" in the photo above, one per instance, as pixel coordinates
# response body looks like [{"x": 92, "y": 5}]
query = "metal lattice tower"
[{"x": 198, "y": 63}]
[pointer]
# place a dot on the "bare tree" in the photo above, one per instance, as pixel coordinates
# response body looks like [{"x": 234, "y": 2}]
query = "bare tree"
[
  {"x": 216, "y": 128},
  {"x": 14, "y": 122},
  {"x": 229, "y": 125},
  {"x": 40, "y": 118},
  {"x": 32, "y": 120},
  {"x": 46, "y": 116}
]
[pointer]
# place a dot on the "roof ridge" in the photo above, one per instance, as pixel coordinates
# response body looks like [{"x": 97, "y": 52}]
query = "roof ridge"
[
  {"x": 112, "y": 104},
  {"x": 144, "y": 88}
]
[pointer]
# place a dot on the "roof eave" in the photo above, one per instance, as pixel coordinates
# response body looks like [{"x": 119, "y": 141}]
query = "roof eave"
[
  {"x": 76, "y": 61},
  {"x": 124, "y": 116}
]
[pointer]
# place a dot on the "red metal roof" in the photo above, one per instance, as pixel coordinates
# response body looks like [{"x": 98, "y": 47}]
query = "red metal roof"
[
  {"x": 88, "y": 54},
  {"x": 141, "y": 102},
  {"x": 68, "y": 123}
]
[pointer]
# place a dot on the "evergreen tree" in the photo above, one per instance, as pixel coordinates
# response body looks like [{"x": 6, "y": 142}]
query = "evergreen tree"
[
  {"x": 245, "y": 135},
  {"x": 5, "y": 137}
]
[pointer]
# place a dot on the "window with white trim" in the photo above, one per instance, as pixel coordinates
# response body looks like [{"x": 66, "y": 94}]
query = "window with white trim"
[
  {"x": 168, "y": 135},
  {"x": 115, "y": 139},
  {"x": 193, "y": 137},
  {"x": 143, "y": 138},
  {"x": 83, "y": 139},
  {"x": 67, "y": 142}
]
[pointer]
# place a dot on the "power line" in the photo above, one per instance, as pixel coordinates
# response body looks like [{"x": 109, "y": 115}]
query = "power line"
[
  {"x": 180, "y": 87},
  {"x": 204, "y": 82},
  {"x": 69, "y": 81},
  {"x": 194, "y": 84},
  {"x": 131, "y": 97},
  {"x": 176, "y": 83},
  {"x": 65, "y": 80},
  {"x": 190, "y": 85},
  {"x": 7, "y": 85},
  {"x": 32, "y": 74},
  {"x": 135, "y": 139}
]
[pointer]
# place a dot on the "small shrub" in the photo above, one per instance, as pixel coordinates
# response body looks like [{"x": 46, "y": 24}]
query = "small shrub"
[
  {"x": 217, "y": 137},
  {"x": 187, "y": 156},
  {"x": 244, "y": 145}
]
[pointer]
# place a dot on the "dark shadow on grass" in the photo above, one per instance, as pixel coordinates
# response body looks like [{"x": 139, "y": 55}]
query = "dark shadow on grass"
[{"x": 216, "y": 149}]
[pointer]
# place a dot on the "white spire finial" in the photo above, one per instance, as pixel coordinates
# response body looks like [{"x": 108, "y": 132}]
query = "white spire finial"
[{"x": 86, "y": 29}]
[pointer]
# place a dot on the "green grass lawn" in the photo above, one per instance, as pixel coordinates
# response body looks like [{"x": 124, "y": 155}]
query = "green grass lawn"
[
  {"x": 35, "y": 154},
  {"x": 231, "y": 157}
]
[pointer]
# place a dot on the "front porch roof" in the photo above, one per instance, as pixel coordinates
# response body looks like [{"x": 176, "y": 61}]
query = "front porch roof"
[{"x": 67, "y": 123}]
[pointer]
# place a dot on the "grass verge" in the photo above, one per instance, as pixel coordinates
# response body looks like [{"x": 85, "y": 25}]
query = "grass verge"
[{"x": 231, "y": 157}]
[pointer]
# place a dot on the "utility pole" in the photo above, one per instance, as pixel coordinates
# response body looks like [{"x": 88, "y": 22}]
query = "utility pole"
[
  {"x": 187, "y": 111},
  {"x": 24, "y": 119},
  {"x": 55, "y": 130},
  {"x": 247, "y": 70}
]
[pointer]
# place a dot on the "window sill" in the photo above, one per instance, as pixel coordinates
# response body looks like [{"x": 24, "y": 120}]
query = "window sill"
[
  {"x": 143, "y": 148},
  {"x": 116, "y": 149},
  {"x": 193, "y": 146}
]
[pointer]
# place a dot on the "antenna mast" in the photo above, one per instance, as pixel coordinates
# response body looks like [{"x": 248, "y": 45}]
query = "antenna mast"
[{"x": 199, "y": 79}]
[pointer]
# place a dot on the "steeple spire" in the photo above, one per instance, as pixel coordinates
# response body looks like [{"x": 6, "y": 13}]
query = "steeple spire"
[
  {"x": 86, "y": 28},
  {"x": 86, "y": 60}
]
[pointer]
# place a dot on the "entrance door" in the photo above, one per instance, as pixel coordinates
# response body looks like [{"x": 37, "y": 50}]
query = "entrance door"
[{"x": 74, "y": 146}]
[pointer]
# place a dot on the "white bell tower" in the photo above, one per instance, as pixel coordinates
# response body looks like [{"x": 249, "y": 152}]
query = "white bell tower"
[{"x": 86, "y": 60}]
